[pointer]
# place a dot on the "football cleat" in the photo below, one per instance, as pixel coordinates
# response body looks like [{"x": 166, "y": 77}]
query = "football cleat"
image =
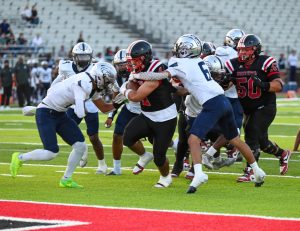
[
  {"x": 189, "y": 176},
  {"x": 223, "y": 162},
  {"x": 259, "y": 175},
  {"x": 186, "y": 164},
  {"x": 15, "y": 164},
  {"x": 197, "y": 181},
  {"x": 284, "y": 161},
  {"x": 113, "y": 173},
  {"x": 101, "y": 169},
  {"x": 69, "y": 183},
  {"x": 247, "y": 177},
  {"x": 164, "y": 182},
  {"x": 141, "y": 164},
  {"x": 207, "y": 161},
  {"x": 177, "y": 168}
]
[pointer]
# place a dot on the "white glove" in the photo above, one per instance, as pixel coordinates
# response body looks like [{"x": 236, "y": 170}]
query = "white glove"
[
  {"x": 28, "y": 110},
  {"x": 120, "y": 98},
  {"x": 123, "y": 88}
]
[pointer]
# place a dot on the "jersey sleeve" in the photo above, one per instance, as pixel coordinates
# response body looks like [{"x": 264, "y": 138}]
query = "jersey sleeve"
[
  {"x": 270, "y": 67},
  {"x": 85, "y": 85}
]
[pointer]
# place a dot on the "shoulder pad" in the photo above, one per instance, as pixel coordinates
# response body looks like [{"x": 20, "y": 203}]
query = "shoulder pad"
[
  {"x": 65, "y": 66},
  {"x": 222, "y": 51}
]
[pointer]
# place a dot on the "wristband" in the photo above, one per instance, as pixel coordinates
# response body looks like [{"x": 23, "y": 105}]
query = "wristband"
[{"x": 127, "y": 92}]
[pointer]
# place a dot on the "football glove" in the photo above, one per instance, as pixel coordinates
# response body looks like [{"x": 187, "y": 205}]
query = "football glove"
[
  {"x": 119, "y": 100},
  {"x": 264, "y": 86}
]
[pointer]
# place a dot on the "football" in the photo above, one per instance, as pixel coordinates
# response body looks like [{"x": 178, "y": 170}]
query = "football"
[{"x": 133, "y": 85}]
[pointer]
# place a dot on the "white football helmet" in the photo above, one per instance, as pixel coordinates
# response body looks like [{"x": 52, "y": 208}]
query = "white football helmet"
[
  {"x": 104, "y": 74},
  {"x": 121, "y": 64},
  {"x": 233, "y": 37},
  {"x": 187, "y": 46},
  {"x": 215, "y": 66},
  {"x": 82, "y": 55},
  {"x": 44, "y": 64}
]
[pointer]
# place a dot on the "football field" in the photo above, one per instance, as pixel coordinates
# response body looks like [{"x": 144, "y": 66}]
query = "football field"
[{"x": 278, "y": 198}]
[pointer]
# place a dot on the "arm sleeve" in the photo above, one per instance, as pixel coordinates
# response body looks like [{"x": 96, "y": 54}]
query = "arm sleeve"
[{"x": 152, "y": 75}]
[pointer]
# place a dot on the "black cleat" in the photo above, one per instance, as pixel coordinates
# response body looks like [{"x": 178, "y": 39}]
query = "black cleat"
[
  {"x": 259, "y": 184},
  {"x": 112, "y": 173},
  {"x": 191, "y": 189}
]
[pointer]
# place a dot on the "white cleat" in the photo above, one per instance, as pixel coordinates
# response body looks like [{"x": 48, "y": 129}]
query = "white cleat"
[
  {"x": 164, "y": 182},
  {"x": 259, "y": 175},
  {"x": 101, "y": 169},
  {"x": 141, "y": 164},
  {"x": 207, "y": 161},
  {"x": 197, "y": 181}
]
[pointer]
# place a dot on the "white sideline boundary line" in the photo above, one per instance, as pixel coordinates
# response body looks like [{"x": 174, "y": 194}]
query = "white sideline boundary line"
[
  {"x": 148, "y": 170},
  {"x": 59, "y": 223},
  {"x": 160, "y": 211}
]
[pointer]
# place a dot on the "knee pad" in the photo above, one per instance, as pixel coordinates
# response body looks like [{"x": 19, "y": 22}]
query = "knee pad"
[
  {"x": 159, "y": 161},
  {"x": 80, "y": 147}
]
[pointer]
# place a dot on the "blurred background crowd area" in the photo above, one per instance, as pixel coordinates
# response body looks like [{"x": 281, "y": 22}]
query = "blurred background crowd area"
[{"x": 42, "y": 32}]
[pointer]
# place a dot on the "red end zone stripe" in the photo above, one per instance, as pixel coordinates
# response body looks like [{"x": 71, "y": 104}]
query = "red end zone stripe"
[{"x": 130, "y": 219}]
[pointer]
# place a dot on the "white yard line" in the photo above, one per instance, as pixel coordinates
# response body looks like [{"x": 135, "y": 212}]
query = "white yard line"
[{"x": 150, "y": 170}]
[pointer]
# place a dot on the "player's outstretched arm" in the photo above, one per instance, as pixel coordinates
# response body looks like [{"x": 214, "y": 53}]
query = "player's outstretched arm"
[{"x": 151, "y": 75}]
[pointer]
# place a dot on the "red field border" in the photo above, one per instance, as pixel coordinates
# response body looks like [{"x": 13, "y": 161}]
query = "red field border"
[{"x": 84, "y": 217}]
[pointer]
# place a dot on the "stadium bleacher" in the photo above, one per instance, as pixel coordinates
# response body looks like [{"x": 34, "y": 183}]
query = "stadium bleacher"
[{"x": 110, "y": 23}]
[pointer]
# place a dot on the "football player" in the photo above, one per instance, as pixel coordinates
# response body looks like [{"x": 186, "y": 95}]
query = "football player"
[
  {"x": 226, "y": 52},
  {"x": 82, "y": 61},
  {"x": 191, "y": 70},
  {"x": 52, "y": 119},
  {"x": 257, "y": 80},
  {"x": 208, "y": 48},
  {"x": 45, "y": 78},
  {"x": 129, "y": 111},
  {"x": 158, "y": 117}
]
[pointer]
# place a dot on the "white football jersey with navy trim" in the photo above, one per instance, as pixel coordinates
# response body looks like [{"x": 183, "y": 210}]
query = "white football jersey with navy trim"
[
  {"x": 226, "y": 53},
  {"x": 65, "y": 70},
  {"x": 62, "y": 95},
  {"x": 195, "y": 77}
]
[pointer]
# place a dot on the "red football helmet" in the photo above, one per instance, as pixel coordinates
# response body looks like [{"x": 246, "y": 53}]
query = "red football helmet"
[
  {"x": 139, "y": 54},
  {"x": 249, "y": 47}
]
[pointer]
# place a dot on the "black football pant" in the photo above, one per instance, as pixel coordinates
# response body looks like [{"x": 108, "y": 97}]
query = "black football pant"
[
  {"x": 6, "y": 96},
  {"x": 256, "y": 125},
  {"x": 161, "y": 132}
]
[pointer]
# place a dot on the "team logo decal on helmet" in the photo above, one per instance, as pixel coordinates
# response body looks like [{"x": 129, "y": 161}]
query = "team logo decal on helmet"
[{"x": 187, "y": 46}]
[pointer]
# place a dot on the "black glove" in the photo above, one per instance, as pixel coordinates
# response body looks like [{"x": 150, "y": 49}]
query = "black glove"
[
  {"x": 224, "y": 82},
  {"x": 264, "y": 86},
  {"x": 117, "y": 105}
]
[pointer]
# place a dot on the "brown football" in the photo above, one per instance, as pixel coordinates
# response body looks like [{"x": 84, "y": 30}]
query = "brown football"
[{"x": 132, "y": 85}]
